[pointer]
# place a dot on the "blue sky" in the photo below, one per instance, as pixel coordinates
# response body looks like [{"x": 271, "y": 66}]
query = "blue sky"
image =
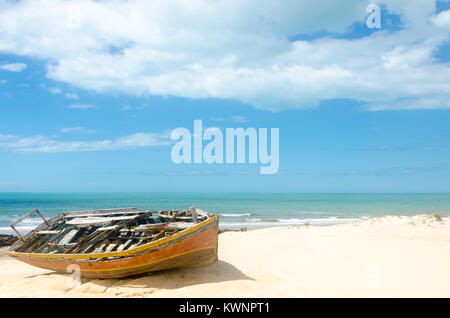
[{"x": 88, "y": 106}]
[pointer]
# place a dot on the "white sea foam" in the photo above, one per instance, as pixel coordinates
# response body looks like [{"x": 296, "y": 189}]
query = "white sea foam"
[
  {"x": 22, "y": 229},
  {"x": 261, "y": 223},
  {"x": 314, "y": 212},
  {"x": 234, "y": 214},
  {"x": 32, "y": 221}
]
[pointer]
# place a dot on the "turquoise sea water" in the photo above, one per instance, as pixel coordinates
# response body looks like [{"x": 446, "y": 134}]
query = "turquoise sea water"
[{"x": 251, "y": 210}]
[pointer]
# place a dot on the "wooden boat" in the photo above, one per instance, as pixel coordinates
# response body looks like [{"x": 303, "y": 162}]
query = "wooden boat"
[{"x": 119, "y": 242}]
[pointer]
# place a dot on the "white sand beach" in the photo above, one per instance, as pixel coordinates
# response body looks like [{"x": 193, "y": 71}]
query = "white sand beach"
[{"x": 389, "y": 256}]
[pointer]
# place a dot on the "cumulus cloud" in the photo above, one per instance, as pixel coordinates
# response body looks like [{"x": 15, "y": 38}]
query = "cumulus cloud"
[
  {"x": 13, "y": 67},
  {"x": 39, "y": 143},
  {"x": 442, "y": 19},
  {"x": 234, "y": 49}
]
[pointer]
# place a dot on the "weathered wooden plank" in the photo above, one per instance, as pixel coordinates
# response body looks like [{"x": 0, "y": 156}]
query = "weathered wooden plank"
[
  {"x": 68, "y": 237},
  {"x": 125, "y": 245},
  {"x": 94, "y": 237},
  {"x": 149, "y": 227},
  {"x": 100, "y": 248},
  {"x": 98, "y": 220},
  {"x": 76, "y": 215},
  {"x": 107, "y": 228},
  {"x": 110, "y": 247},
  {"x": 193, "y": 212},
  {"x": 179, "y": 226},
  {"x": 158, "y": 236},
  {"x": 47, "y": 232},
  {"x": 108, "y": 211},
  {"x": 24, "y": 217},
  {"x": 44, "y": 246},
  {"x": 12, "y": 225}
]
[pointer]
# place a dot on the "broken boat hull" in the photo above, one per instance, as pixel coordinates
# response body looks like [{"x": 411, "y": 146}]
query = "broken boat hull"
[{"x": 195, "y": 246}]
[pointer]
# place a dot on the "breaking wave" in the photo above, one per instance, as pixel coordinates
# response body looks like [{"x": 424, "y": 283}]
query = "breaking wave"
[{"x": 234, "y": 215}]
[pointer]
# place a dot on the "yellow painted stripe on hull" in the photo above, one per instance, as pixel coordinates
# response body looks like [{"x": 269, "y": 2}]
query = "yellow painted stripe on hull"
[
  {"x": 140, "y": 265},
  {"x": 115, "y": 254}
]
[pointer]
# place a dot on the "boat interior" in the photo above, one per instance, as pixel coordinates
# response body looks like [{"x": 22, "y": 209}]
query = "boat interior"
[{"x": 104, "y": 231}]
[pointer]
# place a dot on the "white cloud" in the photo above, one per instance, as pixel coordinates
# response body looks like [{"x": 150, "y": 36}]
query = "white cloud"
[
  {"x": 430, "y": 103},
  {"x": 54, "y": 90},
  {"x": 6, "y": 137},
  {"x": 239, "y": 119},
  {"x": 81, "y": 106},
  {"x": 39, "y": 143},
  {"x": 128, "y": 107},
  {"x": 231, "y": 49},
  {"x": 235, "y": 118},
  {"x": 442, "y": 19},
  {"x": 77, "y": 130},
  {"x": 71, "y": 95},
  {"x": 13, "y": 67}
]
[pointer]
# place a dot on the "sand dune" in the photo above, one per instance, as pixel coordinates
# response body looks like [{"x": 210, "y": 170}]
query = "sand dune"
[{"x": 378, "y": 257}]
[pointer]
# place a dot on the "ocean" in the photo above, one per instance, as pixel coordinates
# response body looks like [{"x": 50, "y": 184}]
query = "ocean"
[{"x": 236, "y": 210}]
